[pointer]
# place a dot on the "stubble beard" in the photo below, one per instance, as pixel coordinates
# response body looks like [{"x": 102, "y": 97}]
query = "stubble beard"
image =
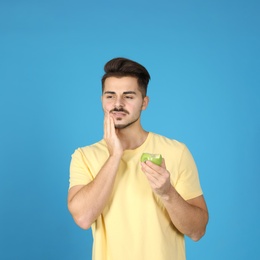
[{"x": 123, "y": 126}]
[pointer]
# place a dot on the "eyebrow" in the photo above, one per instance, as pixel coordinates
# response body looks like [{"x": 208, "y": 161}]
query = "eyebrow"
[{"x": 124, "y": 93}]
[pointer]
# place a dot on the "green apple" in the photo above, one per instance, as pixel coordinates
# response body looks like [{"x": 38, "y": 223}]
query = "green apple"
[{"x": 154, "y": 158}]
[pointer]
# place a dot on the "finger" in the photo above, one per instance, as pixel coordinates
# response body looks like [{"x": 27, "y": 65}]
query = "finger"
[
  {"x": 106, "y": 125},
  {"x": 157, "y": 172},
  {"x": 156, "y": 168},
  {"x": 149, "y": 172},
  {"x": 163, "y": 165},
  {"x": 152, "y": 178},
  {"x": 156, "y": 180},
  {"x": 111, "y": 125}
]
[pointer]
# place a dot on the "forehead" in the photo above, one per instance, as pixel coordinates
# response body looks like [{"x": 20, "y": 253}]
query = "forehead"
[{"x": 121, "y": 84}]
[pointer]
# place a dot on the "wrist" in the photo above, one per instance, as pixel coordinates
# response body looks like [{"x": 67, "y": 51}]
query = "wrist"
[
  {"x": 116, "y": 155},
  {"x": 170, "y": 194}
]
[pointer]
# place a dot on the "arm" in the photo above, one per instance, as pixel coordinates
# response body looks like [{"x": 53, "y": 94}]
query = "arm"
[
  {"x": 86, "y": 202},
  {"x": 189, "y": 217}
]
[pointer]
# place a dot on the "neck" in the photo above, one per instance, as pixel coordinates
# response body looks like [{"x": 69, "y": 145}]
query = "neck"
[{"x": 132, "y": 138}]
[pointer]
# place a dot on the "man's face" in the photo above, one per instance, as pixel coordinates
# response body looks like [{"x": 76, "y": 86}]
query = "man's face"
[{"x": 123, "y": 100}]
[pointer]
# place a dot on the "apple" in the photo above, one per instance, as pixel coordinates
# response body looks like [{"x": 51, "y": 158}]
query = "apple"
[{"x": 154, "y": 158}]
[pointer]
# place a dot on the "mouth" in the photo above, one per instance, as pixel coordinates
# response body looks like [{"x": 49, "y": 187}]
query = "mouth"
[{"x": 119, "y": 113}]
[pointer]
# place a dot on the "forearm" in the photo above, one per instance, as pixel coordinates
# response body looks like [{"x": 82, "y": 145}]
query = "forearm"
[
  {"x": 88, "y": 202},
  {"x": 190, "y": 220}
]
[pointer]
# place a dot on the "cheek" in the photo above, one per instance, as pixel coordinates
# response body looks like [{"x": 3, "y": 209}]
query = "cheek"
[
  {"x": 135, "y": 109},
  {"x": 107, "y": 106},
  {"x": 104, "y": 105}
]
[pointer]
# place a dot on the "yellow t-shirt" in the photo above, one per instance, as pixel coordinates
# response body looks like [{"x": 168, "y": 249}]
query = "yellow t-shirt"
[{"x": 135, "y": 225}]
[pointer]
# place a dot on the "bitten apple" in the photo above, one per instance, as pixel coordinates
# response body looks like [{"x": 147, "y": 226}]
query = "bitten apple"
[{"x": 154, "y": 158}]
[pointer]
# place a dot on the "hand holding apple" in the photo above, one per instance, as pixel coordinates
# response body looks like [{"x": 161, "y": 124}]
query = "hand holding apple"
[
  {"x": 154, "y": 158},
  {"x": 157, "y": 174}
]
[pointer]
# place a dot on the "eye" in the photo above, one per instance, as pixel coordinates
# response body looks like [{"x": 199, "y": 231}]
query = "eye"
[{"x": 129, "y": 97}]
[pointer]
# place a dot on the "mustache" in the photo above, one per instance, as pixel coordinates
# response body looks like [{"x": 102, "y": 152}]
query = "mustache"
[{"x": 119, "y": 110}]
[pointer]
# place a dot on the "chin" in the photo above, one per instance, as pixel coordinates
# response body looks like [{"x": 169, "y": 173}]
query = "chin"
[{"x": 120, "y": 126}]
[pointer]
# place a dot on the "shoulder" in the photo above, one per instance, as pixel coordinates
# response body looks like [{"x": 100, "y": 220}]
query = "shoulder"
[
  {"x": 100, "y": 145},
  {"x": 171, "y": 149},
  {"x": 95, "y": 148},
  {"x": 166, "y": 141}
]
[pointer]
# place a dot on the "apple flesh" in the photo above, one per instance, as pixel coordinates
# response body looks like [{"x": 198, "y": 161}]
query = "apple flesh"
[{"x": 154, "y": 158}]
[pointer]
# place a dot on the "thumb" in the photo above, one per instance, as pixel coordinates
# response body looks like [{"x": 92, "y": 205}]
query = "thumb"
[{"x": 163, "y": 165}]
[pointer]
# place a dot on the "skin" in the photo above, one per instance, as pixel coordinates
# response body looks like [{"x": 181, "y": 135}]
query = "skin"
[{"x": 123, "y": 103}]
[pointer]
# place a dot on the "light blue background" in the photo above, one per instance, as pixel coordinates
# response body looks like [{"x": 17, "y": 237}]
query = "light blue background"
[{"x": 203, "y": 57}]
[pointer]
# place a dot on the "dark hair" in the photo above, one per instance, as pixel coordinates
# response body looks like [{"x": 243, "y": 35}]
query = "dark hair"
[{"x": 122, "y": 67}]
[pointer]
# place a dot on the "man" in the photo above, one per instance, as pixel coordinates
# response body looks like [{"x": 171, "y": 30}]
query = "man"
[{"x": 137, "y": 211}]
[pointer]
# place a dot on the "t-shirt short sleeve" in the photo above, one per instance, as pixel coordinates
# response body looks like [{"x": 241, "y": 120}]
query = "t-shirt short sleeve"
[
  {"x": 188, "y": 184},
  {"x": 79, "y": 171}
]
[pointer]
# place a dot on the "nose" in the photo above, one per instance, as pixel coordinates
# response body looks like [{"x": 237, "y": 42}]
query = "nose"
[{"x": 119, "y": 102}]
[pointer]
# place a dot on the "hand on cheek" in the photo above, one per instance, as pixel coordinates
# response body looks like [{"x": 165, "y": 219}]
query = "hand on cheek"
[{"x": 110, "y": 136}]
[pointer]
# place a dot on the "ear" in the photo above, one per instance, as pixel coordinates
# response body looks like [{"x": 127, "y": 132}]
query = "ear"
[{"x": 145, "y": 102}]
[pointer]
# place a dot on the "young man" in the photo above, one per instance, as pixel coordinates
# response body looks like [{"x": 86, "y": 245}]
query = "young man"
[{"x": 137, "y": 211}]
